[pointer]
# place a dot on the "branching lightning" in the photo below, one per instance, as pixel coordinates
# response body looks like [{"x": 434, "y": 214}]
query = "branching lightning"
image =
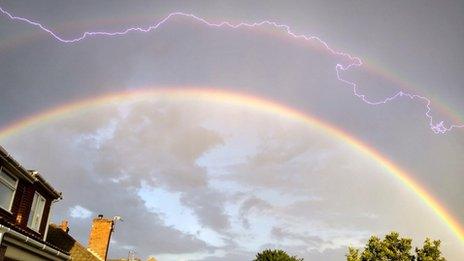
[{"x": 438, "y": 128}]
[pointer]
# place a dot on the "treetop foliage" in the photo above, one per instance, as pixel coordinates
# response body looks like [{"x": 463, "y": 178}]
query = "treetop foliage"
[
  {"x": 393, "y": 247},
  {"x": 275, "y": 255}
]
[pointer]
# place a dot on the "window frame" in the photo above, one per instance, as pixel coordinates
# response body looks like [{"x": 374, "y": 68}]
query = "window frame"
[
  {"x": 33, "y": 209},
  {"x": 8, "y": 185}
]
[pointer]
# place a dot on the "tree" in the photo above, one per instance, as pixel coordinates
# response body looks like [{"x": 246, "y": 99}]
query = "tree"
[
  {"x": 353, "y": 254},
  {"x": 393, "y": 247},
  {"x": 275, "y": 255},
  {"x": 430, "y": 251}
]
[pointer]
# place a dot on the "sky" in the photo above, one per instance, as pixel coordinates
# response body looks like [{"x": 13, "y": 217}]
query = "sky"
[{"x": 200, "y": 180}]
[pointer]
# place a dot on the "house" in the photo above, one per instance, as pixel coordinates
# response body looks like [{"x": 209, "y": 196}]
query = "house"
[
  {"x": 99, "y": 239},
  {"x": 26, "y": 199}
]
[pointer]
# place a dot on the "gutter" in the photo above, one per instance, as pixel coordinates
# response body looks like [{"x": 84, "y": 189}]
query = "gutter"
[
  {"x": 48, "y": 219},
  {"x": 30, "y": 241},
  {"x": 38, "y": 178},
  {"x": 30, "y": 175}
]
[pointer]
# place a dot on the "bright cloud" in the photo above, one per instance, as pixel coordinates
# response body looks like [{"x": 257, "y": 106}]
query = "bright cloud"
[{"x": 80, "y": 212}]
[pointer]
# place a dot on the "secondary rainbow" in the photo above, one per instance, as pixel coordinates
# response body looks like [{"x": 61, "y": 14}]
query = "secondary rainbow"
[
  {"x": 454, "y": 117},
  {"x": 260, "y": 104}
]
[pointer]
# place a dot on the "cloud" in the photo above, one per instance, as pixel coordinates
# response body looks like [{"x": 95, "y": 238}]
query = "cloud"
[
  {"x": 79, "y": 212},
  {"x": 290, "y": 187},
  {"x": 88, "y": 174},
  {"x": 248, "y": 205}
]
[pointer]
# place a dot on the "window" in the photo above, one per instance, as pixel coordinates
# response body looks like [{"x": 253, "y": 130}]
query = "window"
[
  {"x": 8, "y": 185},
  {"x": 37, "y": 208}
]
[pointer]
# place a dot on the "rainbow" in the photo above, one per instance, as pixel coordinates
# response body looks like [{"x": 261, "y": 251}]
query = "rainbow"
[
  {"x": 244, "y": 100},
  {"x": 445, "y": 109}
]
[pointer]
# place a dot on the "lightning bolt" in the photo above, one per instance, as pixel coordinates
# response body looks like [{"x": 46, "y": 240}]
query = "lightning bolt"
[{"x": 437, "y": 128}]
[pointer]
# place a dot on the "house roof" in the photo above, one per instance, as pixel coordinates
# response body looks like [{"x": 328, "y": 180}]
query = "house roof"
[
  {"x": 32, "y": 176},
  {"x": 38, "y": 178},
  {"x": 18, "y": 229},
  {"x": 63, "y": 240}
]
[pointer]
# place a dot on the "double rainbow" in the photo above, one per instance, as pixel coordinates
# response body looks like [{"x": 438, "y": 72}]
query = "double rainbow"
[{"x": 254, "y": 103}]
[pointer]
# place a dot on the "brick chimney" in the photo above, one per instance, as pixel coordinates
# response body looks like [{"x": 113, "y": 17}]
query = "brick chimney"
[{"x": 100, "y": 234}]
